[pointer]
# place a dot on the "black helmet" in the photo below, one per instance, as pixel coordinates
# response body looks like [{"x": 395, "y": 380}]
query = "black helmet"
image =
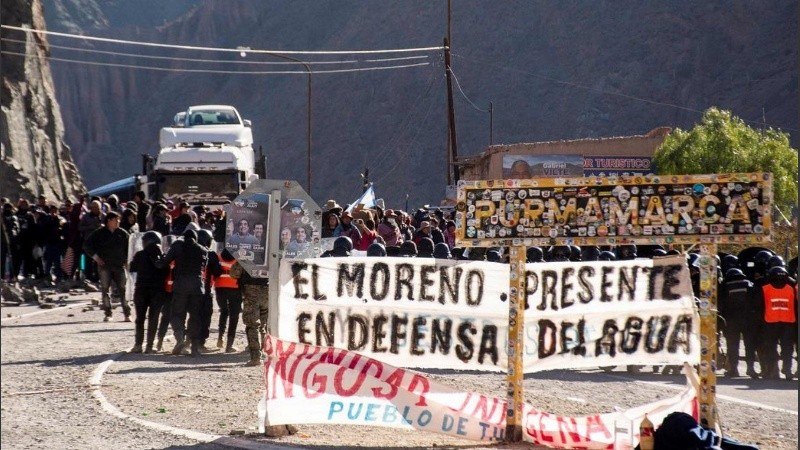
[
  {"x": 560, "y": 253},
  {"x": 534, "y": 255},
  {"x": 778, "y": 273},
  {"x": 775, "y": 261},
  {"x": 626, "y": 252},
  {"x": 762, "y": 258},
  {"x": 342, "y": 246},
  {"x": 204, "y": 238},
  {"x": 408, "y": 248},
  {"x": 659, "y": 252},
  {"x": 607, "y": 256},
  {"x": 425, "y": 248},
  {"x": 150, "y": 238},
  {"x": 493, "y": 255},
  {"x": 441, "y": 251},
  {"x": 376, "y": 249},
  {"x": 734, "y": 274},
  {"x": 590, "y": 253},
  {"x": 574, "y": 253},
  {"x": 190, "y": 235},
  {"x": 729, "y": 262}
]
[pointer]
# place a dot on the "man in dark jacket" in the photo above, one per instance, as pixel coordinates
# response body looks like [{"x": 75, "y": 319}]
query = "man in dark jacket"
[
  {"x": 142, "y": 209},
  {"x": 188, "y": 288},
  {"x": 213, "y": 270},
  {"x": 148, "y": 293},
  {"x": 108, "y": 247},
  {"x": 740, "y": 321}
]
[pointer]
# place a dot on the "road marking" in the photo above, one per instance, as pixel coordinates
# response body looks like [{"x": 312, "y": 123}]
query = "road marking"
[
  {"x": 719, "y": 396},
  {"x": 96, "y": 381},
  {"x": 57, "y": 308}
]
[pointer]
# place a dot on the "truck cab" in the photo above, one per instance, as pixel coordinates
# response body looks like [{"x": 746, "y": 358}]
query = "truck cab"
[{"x": 206, "y": 157}]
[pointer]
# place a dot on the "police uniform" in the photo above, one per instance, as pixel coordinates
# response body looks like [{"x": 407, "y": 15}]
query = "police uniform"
[
  {"x": 229, "y": 300},
  {"x": 255, "y": 304},
  {"x": 776, "y": 302}
]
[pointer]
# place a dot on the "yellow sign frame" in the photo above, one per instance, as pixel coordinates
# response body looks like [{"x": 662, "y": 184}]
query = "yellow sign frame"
[{"x": 701, "y": 185}]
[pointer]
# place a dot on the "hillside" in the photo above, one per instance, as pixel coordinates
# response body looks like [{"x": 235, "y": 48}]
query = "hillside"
[
  {"x": 553, "y": 70},
  {"x": 34, "y": 158}
]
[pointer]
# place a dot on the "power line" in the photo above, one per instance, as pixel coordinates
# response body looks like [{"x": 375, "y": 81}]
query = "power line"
[
  {"x": 233, "y": 72},
  {"x": 225, "y": 61},
  {"x": 413, "y": 112},
  {"x": 465, "y": 95},
  {"x": 617, "y": 94},
  {"x": 220, "y": 49}
]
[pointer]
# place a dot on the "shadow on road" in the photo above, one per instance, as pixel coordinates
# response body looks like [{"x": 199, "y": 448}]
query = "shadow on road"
[{"x": 53, "y": 324}]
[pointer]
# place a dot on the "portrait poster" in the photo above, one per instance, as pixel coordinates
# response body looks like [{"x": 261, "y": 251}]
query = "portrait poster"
[
  {"x": 299, "y": 235},
  {"x": 520, "y": 167},
  {"x": 246, "y": 232}
]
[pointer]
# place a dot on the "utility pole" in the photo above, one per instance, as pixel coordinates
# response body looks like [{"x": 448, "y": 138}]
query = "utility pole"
[
  {"x": 451, "y": 116},
  {"x": 365, "y": 180},
  {"x": 491, "y": 123}
]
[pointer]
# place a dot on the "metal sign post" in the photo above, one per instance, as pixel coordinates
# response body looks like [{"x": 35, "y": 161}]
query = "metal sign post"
[
  {"x": 708, "y": 335},
  {"x": 644, "y": 210},
  {"x": 516, "y": 339}
]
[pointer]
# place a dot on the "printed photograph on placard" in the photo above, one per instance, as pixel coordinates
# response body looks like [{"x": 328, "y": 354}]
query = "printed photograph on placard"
[
  {"x": 521, "y": 167},
  {"x": 245, "y": 235},
  {"x": 297, "y": 229}
]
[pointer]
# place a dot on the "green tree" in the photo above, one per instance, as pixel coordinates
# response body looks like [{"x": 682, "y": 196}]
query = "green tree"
[{"x": 723, "y": 143}]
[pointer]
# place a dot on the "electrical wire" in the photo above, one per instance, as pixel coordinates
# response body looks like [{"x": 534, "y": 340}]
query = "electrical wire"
[
  {"x": 220, "y": 49},
  {"x": 224, "y": 61},
  {"x": 409, "y": 148},
  {"x": 617, "y": 94},
  {"x": 465, "y": 95},
  {"x": 232, "y": 72},
  {"x": 390, "y": 148}
]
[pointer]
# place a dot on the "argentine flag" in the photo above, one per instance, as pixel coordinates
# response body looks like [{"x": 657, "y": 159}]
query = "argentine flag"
[{"x": 367, "y": 200}]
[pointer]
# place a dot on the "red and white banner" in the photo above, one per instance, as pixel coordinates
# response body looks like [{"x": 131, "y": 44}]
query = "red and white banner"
[
  {"x": 307, "y": 384},
  {"x": 442, "y": 314}
]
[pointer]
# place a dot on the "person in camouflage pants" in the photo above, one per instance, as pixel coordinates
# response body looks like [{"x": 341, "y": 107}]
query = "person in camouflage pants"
[{"x": 255, "y": 314}]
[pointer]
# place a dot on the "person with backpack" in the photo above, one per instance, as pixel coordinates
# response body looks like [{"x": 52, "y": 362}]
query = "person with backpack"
[{"x": 188, "y": 288}]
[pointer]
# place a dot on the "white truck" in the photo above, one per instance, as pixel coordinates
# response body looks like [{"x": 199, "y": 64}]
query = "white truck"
[{"x": 206, "y": 158}]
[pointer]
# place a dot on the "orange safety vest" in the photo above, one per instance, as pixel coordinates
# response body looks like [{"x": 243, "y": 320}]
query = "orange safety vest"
[
  {"x": 168, "y": 282},
  {"x": 779, "y": 304},
  {"x": 225, "y": 280}
]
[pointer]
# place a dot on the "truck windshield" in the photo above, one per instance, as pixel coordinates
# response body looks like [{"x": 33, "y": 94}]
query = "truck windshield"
[
  {"x": 221, "y": 116},
  {"x": 198, "y": 188}
]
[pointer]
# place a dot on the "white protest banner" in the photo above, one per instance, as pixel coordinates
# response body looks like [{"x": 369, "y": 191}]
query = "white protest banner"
[
  {"x": 427, "y": 313},
  {"x": 610, "y": 313},
  {"x": 410, "y": 312},
  {"x": 308, "y": 384}
]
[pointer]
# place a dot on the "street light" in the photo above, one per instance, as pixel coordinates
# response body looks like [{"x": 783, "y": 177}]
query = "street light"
[{"x": 243, "y": 53}]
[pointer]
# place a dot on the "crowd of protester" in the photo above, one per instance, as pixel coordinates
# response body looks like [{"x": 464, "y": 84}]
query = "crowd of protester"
[{"x": 89, "y": 240}]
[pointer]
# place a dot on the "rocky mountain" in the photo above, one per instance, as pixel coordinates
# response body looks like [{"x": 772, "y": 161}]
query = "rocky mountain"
[
  {"x": 34, "y": 158},
  {"x": 552, "y": 70}
]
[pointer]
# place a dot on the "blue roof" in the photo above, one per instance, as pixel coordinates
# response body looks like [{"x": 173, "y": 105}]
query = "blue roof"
[{"x": 111, "y": 188}]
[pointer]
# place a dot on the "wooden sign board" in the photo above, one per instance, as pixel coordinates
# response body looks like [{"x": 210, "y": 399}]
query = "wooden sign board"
[{"x": 645, "y": 210}]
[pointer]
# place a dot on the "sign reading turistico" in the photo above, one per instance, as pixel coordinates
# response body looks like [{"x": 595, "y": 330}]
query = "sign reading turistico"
[{"x": 649, "y": 209}]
